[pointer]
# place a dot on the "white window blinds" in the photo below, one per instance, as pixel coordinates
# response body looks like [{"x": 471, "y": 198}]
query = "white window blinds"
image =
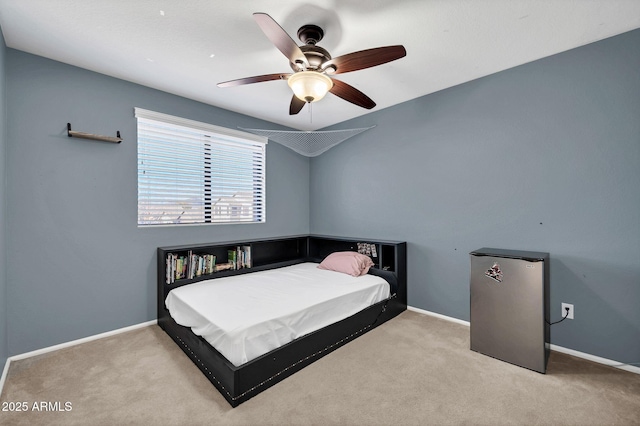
[{"x": 191, "y": 172}]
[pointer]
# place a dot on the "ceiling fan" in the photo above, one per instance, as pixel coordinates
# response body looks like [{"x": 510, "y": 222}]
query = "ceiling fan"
[{"x": 312, "y": 65}]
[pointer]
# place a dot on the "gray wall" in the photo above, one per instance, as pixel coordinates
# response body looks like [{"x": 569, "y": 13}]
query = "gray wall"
[
  {"x": 3, "y": 270},
  {"x": 79, "y": 265},
  {"x": 544, "y": 157}
]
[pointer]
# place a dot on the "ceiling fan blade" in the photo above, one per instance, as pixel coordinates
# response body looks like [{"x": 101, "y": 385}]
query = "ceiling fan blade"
[
  {"x": 351, "y": 94},
  {"x": 365, "y": 59},
  {"x": 296, "y": 105},
  {"x": 254, "y": 79},
  {"x": 280, "y": 39}
]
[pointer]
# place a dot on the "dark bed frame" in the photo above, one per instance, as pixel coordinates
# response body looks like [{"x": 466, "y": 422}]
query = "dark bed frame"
[{"x": 238, "y": 384}]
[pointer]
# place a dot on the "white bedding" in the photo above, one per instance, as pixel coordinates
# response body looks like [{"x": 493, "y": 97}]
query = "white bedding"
[{"x": 248, "y": 315}]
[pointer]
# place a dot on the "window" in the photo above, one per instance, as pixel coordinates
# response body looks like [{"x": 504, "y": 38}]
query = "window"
[{"x": 192, "y": 173}]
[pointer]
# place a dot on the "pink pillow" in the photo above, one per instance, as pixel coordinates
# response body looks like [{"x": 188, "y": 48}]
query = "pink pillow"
[{"x": 348, "y": 262}]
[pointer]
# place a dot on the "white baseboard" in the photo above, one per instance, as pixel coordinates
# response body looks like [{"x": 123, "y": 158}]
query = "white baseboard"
[
  {"x": 5, "y": 371},
  {"x": 444, "y": 317},
  {"x": 594, "y": 358},
  {"x": 67, "y": 345},
  {"x": 83, "y": 340}
]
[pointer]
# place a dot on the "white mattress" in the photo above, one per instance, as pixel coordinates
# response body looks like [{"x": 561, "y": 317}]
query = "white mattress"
[{"x": 248, "y": 315}]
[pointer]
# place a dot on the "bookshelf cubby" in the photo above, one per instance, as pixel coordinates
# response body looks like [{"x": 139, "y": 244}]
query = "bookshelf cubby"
[{"x": 386, "y": 252}]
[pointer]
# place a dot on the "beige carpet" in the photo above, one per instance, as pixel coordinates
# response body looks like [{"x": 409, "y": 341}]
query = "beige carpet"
[{"x": 414, "y": 369}]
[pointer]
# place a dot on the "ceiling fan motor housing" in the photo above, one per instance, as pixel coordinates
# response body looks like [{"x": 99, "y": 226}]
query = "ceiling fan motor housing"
[{"x": 316, "y": 56}]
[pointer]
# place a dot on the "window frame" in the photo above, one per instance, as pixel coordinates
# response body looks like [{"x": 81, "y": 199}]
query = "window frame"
[{"x": 213, "y": 138}]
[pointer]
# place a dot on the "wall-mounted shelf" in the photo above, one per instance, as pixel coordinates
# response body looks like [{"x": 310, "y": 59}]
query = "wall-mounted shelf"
[{"x": 83, "y": 135}]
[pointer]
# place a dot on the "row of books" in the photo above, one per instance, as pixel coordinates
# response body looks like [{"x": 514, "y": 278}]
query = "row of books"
[
  {"x": 240, "y": 257},
  {"x": 191, "y": 265}
]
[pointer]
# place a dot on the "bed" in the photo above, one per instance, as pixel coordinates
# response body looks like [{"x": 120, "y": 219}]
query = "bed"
[{"x": 291, "y": 312}]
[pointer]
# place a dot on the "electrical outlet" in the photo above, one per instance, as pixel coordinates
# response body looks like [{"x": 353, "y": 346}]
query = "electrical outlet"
[{"x": 564, "y": 310}]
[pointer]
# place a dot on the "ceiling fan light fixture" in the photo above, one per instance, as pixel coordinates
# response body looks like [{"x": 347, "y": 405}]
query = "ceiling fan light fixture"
[{"x": 310, "y": 86}]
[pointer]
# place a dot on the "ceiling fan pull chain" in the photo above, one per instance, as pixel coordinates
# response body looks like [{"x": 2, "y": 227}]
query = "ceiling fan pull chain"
[{"x": 310, "y": 112}]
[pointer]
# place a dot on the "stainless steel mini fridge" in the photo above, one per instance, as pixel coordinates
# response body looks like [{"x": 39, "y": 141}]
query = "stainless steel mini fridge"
[{"x": 510, "y": 306}]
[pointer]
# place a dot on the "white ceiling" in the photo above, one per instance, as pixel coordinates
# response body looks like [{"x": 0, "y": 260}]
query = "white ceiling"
[{"x": 168, "y": 44}]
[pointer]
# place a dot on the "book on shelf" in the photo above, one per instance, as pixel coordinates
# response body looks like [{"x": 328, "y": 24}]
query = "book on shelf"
[
  {"x": 232, "y": 258},
  {"x": 223, "y": 267},
  {"x": 246, "y": 256}
]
